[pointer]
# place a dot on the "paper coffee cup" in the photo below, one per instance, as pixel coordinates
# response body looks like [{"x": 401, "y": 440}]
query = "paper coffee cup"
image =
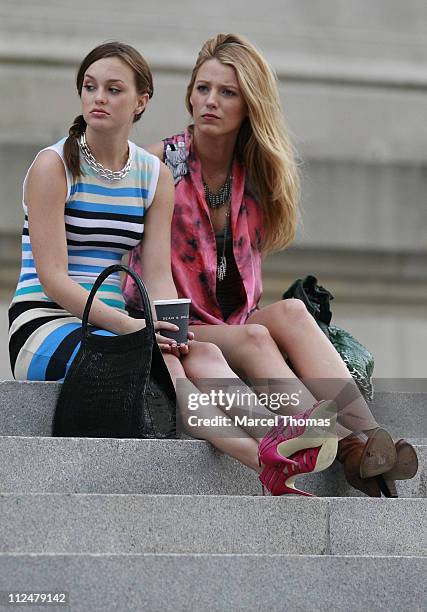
[{"x": 174, "y": 311}]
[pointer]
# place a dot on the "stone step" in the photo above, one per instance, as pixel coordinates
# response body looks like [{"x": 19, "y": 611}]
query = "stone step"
[
  {"x": 27, "y": 408},
  {"x": 101, "y": 465},
  {"x": 220, "y": 583},
  {"x": 214, "y": 524}
]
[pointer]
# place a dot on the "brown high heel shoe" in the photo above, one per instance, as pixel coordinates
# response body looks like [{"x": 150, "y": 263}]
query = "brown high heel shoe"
[
  {"x": 364, "y": 460},
  {"x": 406, "y": 467}
]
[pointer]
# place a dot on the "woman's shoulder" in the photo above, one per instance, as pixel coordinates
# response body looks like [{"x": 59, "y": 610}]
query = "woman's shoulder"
[
  {"x": 53, "y": 153},
  {"x": 49, "y": 162},
  {"x": 47, "y": 176},
  {"x": 58, "y": 147},
  {"x": 144, "y": 157}
]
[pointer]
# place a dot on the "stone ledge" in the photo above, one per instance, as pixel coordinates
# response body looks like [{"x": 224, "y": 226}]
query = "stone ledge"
[
  {"x": 173, "y": 467},
  {"x": 335, "y": 72},
  {"x": 194, "y": 524},
  {"x": 27, "y": 408},
  {"x": 220, "y": 583},
  {"x": 319, "y": 41}
]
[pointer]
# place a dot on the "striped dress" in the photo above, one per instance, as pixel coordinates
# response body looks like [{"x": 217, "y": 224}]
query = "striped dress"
[{"x": 103, "y": 220}]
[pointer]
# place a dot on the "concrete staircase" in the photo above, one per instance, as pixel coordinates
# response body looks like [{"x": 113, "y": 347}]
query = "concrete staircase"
[{"x": 175, "y": 525}]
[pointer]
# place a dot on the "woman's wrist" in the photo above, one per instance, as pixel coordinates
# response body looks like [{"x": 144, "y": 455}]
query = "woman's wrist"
[{"x": 131, "y": 325}]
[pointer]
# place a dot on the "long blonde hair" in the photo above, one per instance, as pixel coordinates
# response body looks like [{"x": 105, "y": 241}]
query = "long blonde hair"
[{"x": 263, "y": 143}]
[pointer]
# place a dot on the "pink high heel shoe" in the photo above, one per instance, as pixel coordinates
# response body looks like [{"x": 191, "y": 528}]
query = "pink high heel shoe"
[
  {"x": 279, "y": 480},
  {"x": 284, "y": 440}
]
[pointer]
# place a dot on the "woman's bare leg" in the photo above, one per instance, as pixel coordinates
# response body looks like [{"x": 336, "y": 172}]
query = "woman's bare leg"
[
  {"x": 315, "y": 360},
  {"x": 206, "y": 366},
  {"x": 232, "y": 440},
  {"x": 253, "y": 353}
]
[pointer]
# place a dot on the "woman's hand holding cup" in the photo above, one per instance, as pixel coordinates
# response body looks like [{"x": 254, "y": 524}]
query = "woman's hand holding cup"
[
  {"x": 169, "y": 345},
  {"x": 168, "y": 313}
]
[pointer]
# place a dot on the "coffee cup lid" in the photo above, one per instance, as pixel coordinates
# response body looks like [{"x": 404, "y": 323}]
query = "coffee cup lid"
[{"x": 173, "y": 301}]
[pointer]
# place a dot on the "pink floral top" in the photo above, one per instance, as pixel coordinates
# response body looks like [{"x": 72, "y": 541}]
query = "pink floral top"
[{"x": 194, "y": 256}]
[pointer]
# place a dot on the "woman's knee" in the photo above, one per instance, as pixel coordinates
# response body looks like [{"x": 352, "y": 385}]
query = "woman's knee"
[
  {"x": 254, "y": 337},
  {"x": 201, "y": 358},
  {"x": 205, "y": 360},
  {"x": 205, "y": 351},
  {"x": 293, "y": 309}
]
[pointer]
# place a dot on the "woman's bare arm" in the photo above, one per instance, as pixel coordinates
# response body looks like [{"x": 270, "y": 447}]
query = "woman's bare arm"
[
  {"x": 156, "y": 248},
  {"x": 45, "y": 196}
]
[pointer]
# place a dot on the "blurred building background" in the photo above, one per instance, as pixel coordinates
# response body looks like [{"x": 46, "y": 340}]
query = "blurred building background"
[{"x": 353, "y": 80}]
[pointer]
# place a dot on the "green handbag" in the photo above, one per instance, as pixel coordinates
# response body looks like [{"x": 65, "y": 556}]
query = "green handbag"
[{"x": 357, "y": 358}]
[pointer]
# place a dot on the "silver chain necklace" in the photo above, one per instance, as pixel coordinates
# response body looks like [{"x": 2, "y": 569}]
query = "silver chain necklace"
[
  {"x": 218, "y": 199},
  {"x": 105, "y": 173},
  {"x": 215, "y": 201},
  {"x": 221, "y": 268}
]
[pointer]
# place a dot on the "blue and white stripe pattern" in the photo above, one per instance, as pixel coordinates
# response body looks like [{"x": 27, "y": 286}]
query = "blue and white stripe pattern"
[{"x": 102, "y": 221}]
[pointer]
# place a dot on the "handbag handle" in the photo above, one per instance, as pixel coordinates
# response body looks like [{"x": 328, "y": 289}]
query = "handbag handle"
[{"x": 139, "y": 283}]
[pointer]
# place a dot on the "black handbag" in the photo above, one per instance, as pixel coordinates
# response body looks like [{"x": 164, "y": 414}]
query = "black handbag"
[
  {"x": 117, "y": 386},
  {"x": 357, "y": 358}
]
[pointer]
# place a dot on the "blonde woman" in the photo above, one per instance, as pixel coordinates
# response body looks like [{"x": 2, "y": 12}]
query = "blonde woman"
[{"x": 236, "y": 201}]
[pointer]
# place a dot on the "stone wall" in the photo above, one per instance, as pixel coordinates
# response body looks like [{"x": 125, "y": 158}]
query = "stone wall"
[{"x": 353, "y": 81}]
